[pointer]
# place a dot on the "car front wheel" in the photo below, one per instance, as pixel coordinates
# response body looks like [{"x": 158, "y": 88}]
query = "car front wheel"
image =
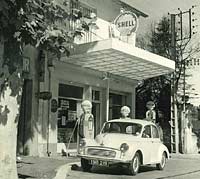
[
  {"x": 161, "y": 165},
  {"x": 135, "y": 164},
  {"x": 86, "y": 166}
]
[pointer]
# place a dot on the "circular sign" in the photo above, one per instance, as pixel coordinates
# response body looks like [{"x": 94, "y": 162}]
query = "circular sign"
[{"x": 126, "y": 23}]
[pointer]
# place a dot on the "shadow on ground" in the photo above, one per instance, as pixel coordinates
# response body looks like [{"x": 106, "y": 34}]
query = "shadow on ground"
[
  {"x": 76, "y": 167},
  {"x": 178, "y": 175},
  {"x": 39, "y": 167},
  {"x": 25, "y": 176},
  {"x": 114, "y": 170}
]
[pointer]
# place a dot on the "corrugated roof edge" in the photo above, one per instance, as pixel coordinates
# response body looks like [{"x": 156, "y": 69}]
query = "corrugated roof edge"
[{"x": 140, "y": 13}]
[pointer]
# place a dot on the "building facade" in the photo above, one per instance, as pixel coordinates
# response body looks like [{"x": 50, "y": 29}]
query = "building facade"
[{"x": 105, "y": 68}]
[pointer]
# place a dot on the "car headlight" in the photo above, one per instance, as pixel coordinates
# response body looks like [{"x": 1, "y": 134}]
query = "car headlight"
[
  {"x": 124, "y": 147},
  {"x": 82, "y": 143}
]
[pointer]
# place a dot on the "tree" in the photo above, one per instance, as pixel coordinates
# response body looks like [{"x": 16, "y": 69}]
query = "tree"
[
  {"x": 158, "y": 89},
  {"x": 158, "y": 41},
  {"x": 42, "y": 24}
]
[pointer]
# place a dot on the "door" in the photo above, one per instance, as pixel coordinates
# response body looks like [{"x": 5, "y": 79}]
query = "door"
[
  {"x": 96, "y": 110},
  {"x": 96, "y": 114},
  {"x": 147, "y": 144},
  {"x": 155, "y": 144},
  {"x": 69, "y": 101}
]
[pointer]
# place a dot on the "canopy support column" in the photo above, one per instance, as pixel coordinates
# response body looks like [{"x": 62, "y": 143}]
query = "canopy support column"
[{"x": 107, "y": 96}]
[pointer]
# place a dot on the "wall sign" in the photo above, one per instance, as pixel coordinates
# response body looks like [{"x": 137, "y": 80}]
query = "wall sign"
[
  {"x": 126, "y": 23},
  {"x": 26, "y": 64},
  {"x": 54, "y": 105},
  {"x": 45, "y": 95}
]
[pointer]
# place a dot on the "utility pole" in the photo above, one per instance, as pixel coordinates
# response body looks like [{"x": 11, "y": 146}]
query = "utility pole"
[{"x": 176, "y": 39}]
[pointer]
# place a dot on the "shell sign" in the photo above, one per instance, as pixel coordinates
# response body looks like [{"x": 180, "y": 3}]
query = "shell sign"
[{"x": 126, "y": 23}]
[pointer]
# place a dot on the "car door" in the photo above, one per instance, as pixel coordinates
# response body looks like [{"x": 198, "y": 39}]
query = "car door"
[
  {"x": 155, "y": 144},
  {"x": 147, "y": 144}
]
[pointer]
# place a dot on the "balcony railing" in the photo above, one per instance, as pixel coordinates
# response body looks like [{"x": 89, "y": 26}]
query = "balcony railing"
[{"x": 86, "y": 12}]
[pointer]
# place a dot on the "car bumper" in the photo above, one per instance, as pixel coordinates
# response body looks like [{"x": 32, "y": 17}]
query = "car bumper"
[{"x": 109, "y": 160}]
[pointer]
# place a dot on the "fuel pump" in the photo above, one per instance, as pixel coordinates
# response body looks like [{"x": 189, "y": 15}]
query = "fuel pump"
[
  {"x": 151, "y": 114},
  {"x": 85, "y": 130},
  {"x": 86, "y": 123}
]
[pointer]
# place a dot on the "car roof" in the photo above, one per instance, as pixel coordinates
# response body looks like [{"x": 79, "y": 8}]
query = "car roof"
[{"x": 129, "y": 120}]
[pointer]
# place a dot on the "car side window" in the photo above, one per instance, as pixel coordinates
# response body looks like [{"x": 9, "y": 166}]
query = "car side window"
[
  {"x": 155, "y": 133},
  {"x": 133, "y": 129},
  {"x": 147, "y": 132},
  {"x": 114, "y": 128},
  {"x": 106, "y": 128}
]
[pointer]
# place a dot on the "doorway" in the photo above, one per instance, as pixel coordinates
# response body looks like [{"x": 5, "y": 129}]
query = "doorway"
[{"x": 24, "y": 124}]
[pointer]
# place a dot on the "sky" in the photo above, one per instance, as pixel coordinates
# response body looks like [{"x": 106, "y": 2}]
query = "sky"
[{"x": 156, "y": 9}]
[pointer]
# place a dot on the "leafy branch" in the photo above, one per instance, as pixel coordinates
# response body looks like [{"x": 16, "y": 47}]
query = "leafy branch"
[{"x": 44, "y": 24}]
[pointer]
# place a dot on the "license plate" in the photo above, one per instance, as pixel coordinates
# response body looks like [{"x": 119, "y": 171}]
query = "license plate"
[{"x": 99, "y": 162}]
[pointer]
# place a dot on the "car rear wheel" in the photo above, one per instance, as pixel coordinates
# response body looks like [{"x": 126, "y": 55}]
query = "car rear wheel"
[
  {"x": 161, "y": 165},
  {"x": 86, "y": 166},
  {"x": 135, "y": 164}
]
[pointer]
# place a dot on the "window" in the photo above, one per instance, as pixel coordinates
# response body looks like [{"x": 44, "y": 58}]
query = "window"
[
  {"x": 116, "y": 101},
  {"x": 112, "y": 128},
  {"x": 70, "y": 91},
  {"x": 84, "y": 8},
  {"x": 96, "y": 108},
  {"x": 198, "y": 62},
  {"x": 147, "y": 132},
  {"x": 155, "y": 133},
  {"x": 123, "y": 128},
  {"x": 134, "y": 129},
  {"x": 95, "y": 95},
  {"x": 195, "y": 61},
  {"x": 69, "y": 102},
  {"x": 86, "y": 13}
]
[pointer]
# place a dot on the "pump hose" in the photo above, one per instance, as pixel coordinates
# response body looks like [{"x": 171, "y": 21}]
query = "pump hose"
[{"x": 72, "y": 135}]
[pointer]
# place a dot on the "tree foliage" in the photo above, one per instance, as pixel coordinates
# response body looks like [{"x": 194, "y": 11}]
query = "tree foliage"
[
  {"x": 158, "y": 41},
  {"x": 158, "y": 89},
  {"x": 43, "y": 24}
]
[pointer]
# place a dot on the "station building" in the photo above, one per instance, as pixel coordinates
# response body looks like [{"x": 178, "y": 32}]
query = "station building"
[{"x": 104, "y": 67}]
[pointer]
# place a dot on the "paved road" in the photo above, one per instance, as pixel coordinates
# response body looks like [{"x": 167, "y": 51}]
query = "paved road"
[{"x": 175, "y": 169}]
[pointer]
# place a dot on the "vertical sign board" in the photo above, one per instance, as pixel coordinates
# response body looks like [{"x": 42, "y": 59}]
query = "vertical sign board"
[
  {"x": 26, "y": 64},
  {"x": 26, "y": 67}
]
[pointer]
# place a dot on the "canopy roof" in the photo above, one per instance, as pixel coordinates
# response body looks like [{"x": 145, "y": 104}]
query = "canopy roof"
[{"x": 119, "y": 58}]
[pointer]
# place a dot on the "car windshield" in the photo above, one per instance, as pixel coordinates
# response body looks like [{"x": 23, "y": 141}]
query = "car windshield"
[{"x": 122, "y": 128}]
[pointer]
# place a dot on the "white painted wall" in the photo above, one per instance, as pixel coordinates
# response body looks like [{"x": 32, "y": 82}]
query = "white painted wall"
[
  {"x": 107, "y": 11},
  {"x": 194, "y": 80}
]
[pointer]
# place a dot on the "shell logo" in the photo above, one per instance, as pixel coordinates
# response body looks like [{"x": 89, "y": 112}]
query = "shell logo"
[{"x": 126, "y": 23}]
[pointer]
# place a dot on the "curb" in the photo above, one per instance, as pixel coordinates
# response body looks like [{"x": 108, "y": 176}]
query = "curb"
[
  {"x": 64, "y": 170},
  {"x": 185, "y": 156}
]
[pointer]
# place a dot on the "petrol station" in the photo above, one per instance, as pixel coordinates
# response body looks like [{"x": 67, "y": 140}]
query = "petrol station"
[{"x": 103, "y": 70}]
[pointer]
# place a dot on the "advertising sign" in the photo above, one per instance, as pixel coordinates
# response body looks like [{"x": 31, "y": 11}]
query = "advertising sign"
[
  {"x": 54, "y": 105},
  {"x": 126, "y": 23},
  {"x": 26, "y": 64}
]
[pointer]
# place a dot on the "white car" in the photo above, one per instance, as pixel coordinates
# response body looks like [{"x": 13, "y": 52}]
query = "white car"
[{"x": 130, "y": 142}]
